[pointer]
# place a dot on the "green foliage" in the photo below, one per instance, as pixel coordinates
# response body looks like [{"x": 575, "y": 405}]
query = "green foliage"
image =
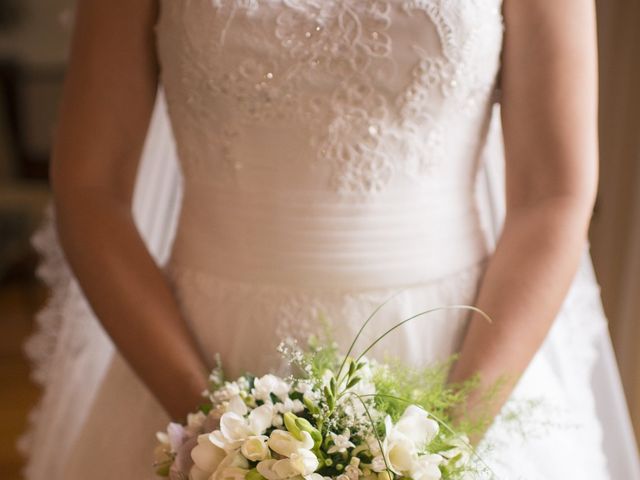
[{"x": 398, "y": 385}]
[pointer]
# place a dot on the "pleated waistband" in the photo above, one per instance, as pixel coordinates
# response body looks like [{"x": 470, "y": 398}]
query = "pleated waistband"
[{"x": 306, "y": 241}]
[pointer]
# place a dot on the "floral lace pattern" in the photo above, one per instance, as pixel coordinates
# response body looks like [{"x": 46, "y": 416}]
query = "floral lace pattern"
[
  {"x": 373, "y": 102},
  {"x": 298, "y": 312}
]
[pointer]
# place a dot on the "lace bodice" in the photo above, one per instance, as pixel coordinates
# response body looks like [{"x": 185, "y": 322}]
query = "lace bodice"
[
  {"x": 327, "y": 116},
  {"x": 358, "y": 93}
]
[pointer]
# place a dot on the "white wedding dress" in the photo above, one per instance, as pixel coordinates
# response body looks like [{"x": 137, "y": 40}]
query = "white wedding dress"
[{"x": 329, "y": 152}]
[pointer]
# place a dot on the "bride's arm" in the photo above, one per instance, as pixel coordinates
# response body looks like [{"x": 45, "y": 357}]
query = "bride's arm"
[
  {"x": 107, "y": 103},
  {"x": 549, "y": 115}
]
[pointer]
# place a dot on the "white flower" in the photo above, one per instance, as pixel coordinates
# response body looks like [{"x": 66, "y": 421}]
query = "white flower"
[
  {"x": 327, "y": 375},
  {"x": 243, "y": 383},
  {"x": 283, "y": 443},
  {"x": 289, "y": 405},
  {"x": 236, "y": 404},
  {"x": 426, "y": 467},
  {"x": 196, "y": 474},
  {"x": 207, "y": 456},
  {"x": 302, "y": 462},
  {"x": 299, "y": 459},
  {"x": 374, "y": 445},
  {"x": 342, "y": 477},
  {"x": 269, "y": 384},
  {"x": 277, "y": 420},
  {"x": 235, "y": 429},
  {"x": 416, "y": 424},
  {"x": 461, "y": 450},
  {"x": 352, "y": 471},
  {"x": 308, "y": 392},
  {"x": 400, "y": 452},
  {"x": 411, "y": 433},
  {"x": 232, "y": 473},
  {"x": 255, "y": 448},
  {"x": 377, "y": 464},
  {"x": 340, "y": 442},
  {"x": 195, "y": 421},
  {"x": 233, "y": 467},
  {"x": 225, "y": 393}
]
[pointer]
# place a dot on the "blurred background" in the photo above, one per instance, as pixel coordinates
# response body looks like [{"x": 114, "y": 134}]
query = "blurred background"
[{"x": 34, "y": 38}]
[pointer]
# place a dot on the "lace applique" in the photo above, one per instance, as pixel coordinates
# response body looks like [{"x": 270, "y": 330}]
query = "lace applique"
[
  {"x": 332, "y": 68},
  {"x": 296, "y": 311}
]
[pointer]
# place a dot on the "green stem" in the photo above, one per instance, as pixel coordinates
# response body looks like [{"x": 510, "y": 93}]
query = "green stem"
[
  {"x": 426, "y": 312},
  {"x": 373, "y": 427},
  {"x": 375, "y": 311}
]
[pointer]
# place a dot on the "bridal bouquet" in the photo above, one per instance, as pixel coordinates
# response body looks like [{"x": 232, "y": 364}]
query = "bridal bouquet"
[{"x": 339, "y": 417}]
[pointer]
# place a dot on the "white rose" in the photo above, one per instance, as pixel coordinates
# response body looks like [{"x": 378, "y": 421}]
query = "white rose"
[
  {"x": 285, "y": 444},
  {"x": 255, "y": 448},
  {"x": 206, "y": 456}
]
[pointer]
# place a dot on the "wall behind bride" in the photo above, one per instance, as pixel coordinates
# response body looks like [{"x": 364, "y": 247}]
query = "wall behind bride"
[
  {"x": 33, "y": 51},
  {"x": 33, "y": 48}
]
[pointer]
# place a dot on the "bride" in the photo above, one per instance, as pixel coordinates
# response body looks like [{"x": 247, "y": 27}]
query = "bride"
[{"x": 329, "y": 154}]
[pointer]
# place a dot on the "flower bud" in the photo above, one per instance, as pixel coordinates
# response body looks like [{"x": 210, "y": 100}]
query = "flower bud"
[
  {"x": 253, "y": 474},
  {"x": 291, "y": 425}
]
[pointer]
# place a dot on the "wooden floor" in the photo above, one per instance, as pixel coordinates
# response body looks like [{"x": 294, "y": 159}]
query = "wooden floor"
[{"x": 20, "y": 297}]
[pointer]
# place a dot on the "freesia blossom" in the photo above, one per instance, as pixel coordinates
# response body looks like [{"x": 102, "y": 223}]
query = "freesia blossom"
[
  {"x": 302, "y": 462},
  {"x": 255, "y": 448},
  {"x": 426, "y": 467},
  {"x": 232, "y": 467},
  {"x": 206, "y": 457},
  {"x": 235, "y": 429},
  {"x": 403, "y": 440},
  {"x": 299, "y": 459},
  {"x": 460, "y": 451},
  {"x": 269, "y": 384},
  {"x": 284, "y": 443}
]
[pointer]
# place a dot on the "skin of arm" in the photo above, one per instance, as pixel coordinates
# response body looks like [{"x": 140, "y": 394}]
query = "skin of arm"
[
  {"x": 107, "y": 103},
  {"x": 549, "y": 116}
]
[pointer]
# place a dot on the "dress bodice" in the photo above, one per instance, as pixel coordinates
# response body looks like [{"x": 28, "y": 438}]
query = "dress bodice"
[{"x": 314, "y": 132}]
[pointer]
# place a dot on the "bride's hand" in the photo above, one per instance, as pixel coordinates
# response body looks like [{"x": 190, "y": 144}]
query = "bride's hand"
[{"x": 107, "y": 103}]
